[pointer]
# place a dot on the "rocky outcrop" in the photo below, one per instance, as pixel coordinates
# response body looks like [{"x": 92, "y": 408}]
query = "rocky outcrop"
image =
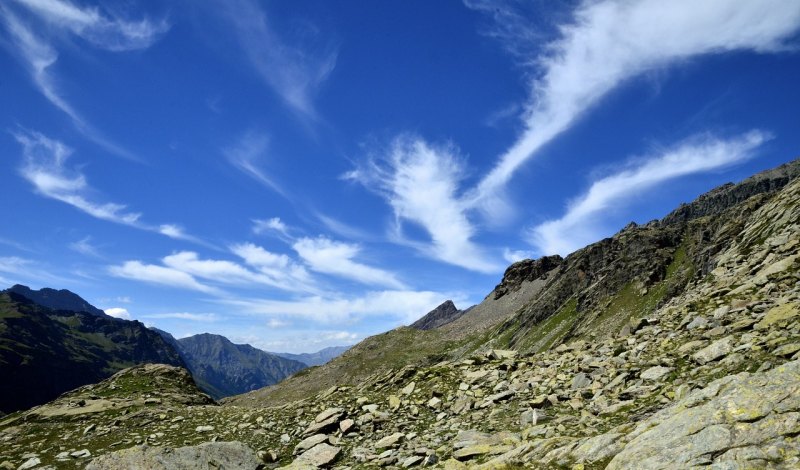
[
  {"x": 440, "y": 316},
  {"x": 525, "y": 270}
]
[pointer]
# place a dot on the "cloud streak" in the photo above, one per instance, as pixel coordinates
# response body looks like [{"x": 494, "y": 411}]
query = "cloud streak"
[
  {"x": 611, "y": 42},
  {"x": 293, "y": 71},
  {"x": 38, "y": 52},
  {"x": 582, "y": 223},
  {"x": 45, "y": 168}
]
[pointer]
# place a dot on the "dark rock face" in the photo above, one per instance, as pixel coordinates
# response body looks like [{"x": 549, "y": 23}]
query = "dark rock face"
[
  {"x": 440, "y": 316},
  {"x": 44, "y": 352},
  {"x": 222, "y": 368},
  {"x": 56, "y": 299},
  {"x": 525, "y": 270}
]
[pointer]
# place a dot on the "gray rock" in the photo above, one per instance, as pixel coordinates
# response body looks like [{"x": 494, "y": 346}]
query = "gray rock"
[
  {"x": 389, "y": 440},
  {"x": 227, "y": 455},
  {"x": 319, "y": 455},
  {"x": 715, "y": 350},
  {"x": 580, "y": 381},
  {"x": 655, "y": 373},
  {"x": 30, "y": 463},
  {"x": 309, "y": 442}
]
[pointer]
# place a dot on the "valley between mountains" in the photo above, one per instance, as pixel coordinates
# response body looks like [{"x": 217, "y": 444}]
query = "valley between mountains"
[{"x": 673, "y": 344}]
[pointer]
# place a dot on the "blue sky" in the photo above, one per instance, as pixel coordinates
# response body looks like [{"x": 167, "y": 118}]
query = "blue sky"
[{"x": 297, "y": 175}]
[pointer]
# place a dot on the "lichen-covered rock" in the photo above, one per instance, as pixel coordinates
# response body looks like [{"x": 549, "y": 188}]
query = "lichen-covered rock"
[{"x": 746, "y": 410}]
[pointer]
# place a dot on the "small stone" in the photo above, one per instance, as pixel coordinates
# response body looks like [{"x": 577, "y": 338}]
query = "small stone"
[
  {"x": 30, "y": 463},
  {"x": 81, "y": 454},
  {"x": 204, "y": 428},
  {"x": 390, "y": 440},
  {"x": 408, "y": 389},
  {"x": 309, "y": 442},
  {"x": 434, "y": 403},
  {"x": 89, "y": 429},
  {"x": 394, "y": 402},
  {"x": 580, "y": 381},
  {"x": 411, "y": 461},
  {"x": 346, "y": 425}
]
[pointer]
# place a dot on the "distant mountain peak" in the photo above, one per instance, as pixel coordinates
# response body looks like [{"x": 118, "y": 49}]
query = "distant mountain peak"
[
  {"x": 440, "y": 316},
  {"x": 56, "y": 299}
]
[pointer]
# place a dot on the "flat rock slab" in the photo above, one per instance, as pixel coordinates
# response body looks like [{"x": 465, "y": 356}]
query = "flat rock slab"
[{"x": 208, "y": 456}]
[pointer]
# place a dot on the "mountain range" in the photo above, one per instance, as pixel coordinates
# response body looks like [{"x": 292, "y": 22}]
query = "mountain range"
[
  {"x": 52, "y": 341},
  {"x": 672, "y": 344}
]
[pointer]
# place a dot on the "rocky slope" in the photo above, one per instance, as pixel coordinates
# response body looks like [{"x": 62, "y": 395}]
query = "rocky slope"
[
  {"x": 222, "y": 368},
  {"x": 44, "y": 352},
  {"x": 697, "y": 365}
]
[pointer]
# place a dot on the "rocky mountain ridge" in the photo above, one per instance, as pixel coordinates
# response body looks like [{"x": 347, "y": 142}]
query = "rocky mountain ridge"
[
  {"x": 678, "y": 346},
  {"x": 45, "y": 352}
]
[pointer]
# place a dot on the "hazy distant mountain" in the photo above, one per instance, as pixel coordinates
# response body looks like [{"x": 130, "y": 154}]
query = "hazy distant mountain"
[
  {"x": 45, "y": 352},
  {"x": 222, "y": 368},
  {"x": 56, "y": 299},
  {"x": 317, "y": 358}
]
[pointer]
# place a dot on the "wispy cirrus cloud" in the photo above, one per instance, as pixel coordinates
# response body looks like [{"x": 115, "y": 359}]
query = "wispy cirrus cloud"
[
  {"x": 610, "y": 42},
  {"x": 36, "y": 28},
  {"x": 195, "y": 317},
  {"x": 275, "y": 224},
  {"x": 294, "y": 70},
  {"x": 327, "y": 256},
  {"x": 583, "y": 221},
  {"x": 159, "y": 275},
  {"x": 45, "y": 167},
  {"x": 421, "y": 184},
  {"x": 246, "y": 154},
  {"x": 84, "y": 246}
]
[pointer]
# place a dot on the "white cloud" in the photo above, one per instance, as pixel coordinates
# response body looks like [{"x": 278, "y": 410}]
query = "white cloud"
[
  {"x": 512, "y": 256},
  {"x": 197, "y": 317},
  {"x": 421, "y": 182},
  {"x": 245, "y": 155},
  {"x": 44, "y": 167},
  {"x": 282, "y": 272},
  {"x": 277, "y": 323},
  {"x": 154, "y": 274},
  {"x": 404, "y": 305},
  {"x": 28, "y": 271},
  {"x": 337, "y": 258},
  {"x": 85, "y": 247},
  {"x": 102, "y": 30},
  {"x": 610, "y": 42},
  {"x": 582, "y": 224},
  {"x": 118, "y": 312},
  {"x": 38, "y": 52},
  {"x": 293, "y": 71},
  {"x": 274, "y": 224}
]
